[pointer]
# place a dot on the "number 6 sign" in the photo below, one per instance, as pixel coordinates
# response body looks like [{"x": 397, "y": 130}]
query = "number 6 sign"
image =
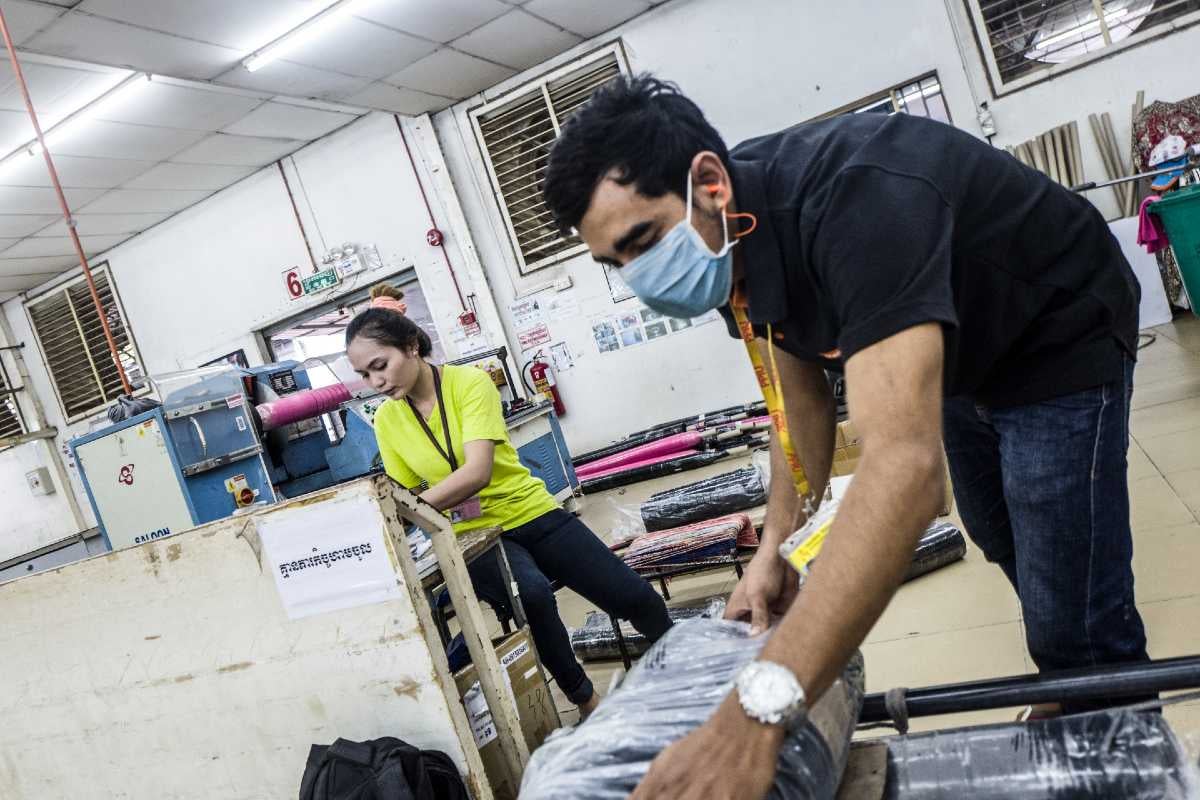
[{"x": 291, "y": 279}]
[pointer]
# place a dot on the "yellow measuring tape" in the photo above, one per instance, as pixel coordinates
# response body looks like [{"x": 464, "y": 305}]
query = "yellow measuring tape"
[{"x": 802, "y": 547}]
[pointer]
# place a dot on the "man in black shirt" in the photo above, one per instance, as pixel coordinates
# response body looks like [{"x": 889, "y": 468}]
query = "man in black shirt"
[{"x": 950, "y": 283}]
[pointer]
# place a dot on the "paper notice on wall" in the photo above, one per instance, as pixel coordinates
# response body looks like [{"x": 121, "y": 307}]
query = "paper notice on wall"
[
  {"x": 562, "y": 356},
  {"x": 560, "y": 308},
  {"x": 529, "y": 322},
  {"x": 532, "y": 337},
  {"x": 328, "y": 556},
  {"x": 526, "y": 313},
  {"x": 469, "y": 341}
]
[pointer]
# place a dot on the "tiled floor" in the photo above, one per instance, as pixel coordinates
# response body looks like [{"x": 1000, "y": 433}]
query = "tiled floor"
[{"x": 963, "y": 622}]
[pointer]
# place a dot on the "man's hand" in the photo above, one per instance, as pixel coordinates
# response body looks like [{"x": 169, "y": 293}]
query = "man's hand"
[
  {"x": 768, "y": 587},
  {"x": 729, "y": 757}
]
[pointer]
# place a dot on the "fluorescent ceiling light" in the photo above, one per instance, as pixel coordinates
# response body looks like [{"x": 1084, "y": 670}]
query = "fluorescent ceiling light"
[
  {"x": 305, "y": 32},
  {"x": 77, "y": 120}
]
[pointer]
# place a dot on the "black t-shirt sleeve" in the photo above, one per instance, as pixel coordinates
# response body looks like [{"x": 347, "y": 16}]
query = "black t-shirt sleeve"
[{"x": 881, "y": 254}]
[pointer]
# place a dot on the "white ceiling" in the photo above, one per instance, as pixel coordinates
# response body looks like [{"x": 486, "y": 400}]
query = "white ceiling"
[
  {"x": 405, "y": 56},
  {"x": 204, "y": 122}
]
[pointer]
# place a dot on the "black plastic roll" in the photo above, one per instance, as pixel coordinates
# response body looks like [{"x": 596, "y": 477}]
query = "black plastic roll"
[
  {"x": 941, "y": 545},
  {"x": 707, "y": 499},
  {"x": 597, "y": 641},
  {"x": 665, "y": 429},
  {"x": 1106, "y": 754}
]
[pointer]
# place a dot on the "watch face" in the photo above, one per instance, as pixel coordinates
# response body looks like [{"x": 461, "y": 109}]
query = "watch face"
[{"x": 769, "y": 691}]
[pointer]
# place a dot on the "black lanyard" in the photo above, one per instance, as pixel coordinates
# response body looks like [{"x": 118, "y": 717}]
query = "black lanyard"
[{"x": 448, "y": 452}]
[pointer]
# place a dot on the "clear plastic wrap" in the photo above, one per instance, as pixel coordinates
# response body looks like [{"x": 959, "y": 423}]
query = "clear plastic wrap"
[
  {"x": 596, "y": 640},
  {"x": 672, "y": 691},
  {"x": 713, "y": 497},
  {"x": 1106, "y": 754}
]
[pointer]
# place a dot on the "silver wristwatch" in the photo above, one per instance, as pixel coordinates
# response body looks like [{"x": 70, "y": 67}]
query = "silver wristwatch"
[{"x": 770, "y": 694}]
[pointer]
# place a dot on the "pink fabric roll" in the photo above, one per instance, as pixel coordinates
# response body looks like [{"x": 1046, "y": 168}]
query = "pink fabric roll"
[
  {"x": 304, "y": 404},
  {"x": 604, "y": 473},
  {"x": 671, "y": 444}
]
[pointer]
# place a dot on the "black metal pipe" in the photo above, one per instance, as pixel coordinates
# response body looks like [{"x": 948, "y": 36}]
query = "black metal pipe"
[{"x": 1118, "y": 680}]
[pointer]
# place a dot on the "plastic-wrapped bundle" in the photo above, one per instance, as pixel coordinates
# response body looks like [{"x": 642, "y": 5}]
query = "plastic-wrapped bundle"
[
  {"x": 716, "y": 538},
  {"x": 713, "y": 497},
  {"x": 673, "y": 690},
  {"x": 597, "y": 641},
  {"x": 1117, "y": 754},
  {"x": 939, "y": 546}
]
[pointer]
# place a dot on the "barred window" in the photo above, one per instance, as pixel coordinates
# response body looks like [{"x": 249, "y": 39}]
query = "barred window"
[
  {"x": 1024, "y": 40},
  {"x": 921, "y": 97},
  {"x": 515, "y": 134},
  {"x": 73, "y": 345}
]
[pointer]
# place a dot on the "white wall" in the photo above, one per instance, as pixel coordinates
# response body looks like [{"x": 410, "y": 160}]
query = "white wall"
[
  {"x": 199, "y": 285},
  {"x": 761, "y": 66},
  {"x": 755, "y": 67}
]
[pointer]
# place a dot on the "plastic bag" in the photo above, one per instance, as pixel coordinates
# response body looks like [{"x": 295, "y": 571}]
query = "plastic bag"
[
  {"x": 1116, "y": 753},
  {"x": 596, "y": 640},
  {"x": 673, "y": 690},
  {"x": 713, "y": 497},
  {"x": 127, "y": 407},
  {"x": 941, "y": 545}
]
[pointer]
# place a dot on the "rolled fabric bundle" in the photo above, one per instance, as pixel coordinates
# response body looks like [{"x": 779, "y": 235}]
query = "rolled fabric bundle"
[
  {"x": 718, "y": 537},
  {"x": 643, "y": 473},
  {"x": 301, "y": 405},
  {"x": 1113, "y": 753},
  {"x": 643, "y": 453},
  {"x": 596, "y": 640},
  {"x": 706, "y": 499},
  {"x": 673, "y": 690},
  {"x": 942, "y": 544},
  {"x": 659, "y": 459}
]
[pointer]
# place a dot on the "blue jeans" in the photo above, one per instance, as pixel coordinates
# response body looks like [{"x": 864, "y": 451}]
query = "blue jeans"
[
  {"x": 1042, "y": 490},
  {"x": 558, "y": 547}
]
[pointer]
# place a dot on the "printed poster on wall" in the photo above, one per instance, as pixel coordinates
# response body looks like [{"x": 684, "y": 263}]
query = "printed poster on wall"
[
  {"x": 638, "y": 326},
  {"x": 328, "y": 556}
]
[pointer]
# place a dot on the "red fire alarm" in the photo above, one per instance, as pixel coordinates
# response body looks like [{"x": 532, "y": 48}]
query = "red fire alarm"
[{"x": 434, "y": 237}]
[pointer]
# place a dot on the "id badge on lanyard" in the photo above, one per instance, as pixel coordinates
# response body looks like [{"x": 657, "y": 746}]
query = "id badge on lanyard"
[
  {"x": 471, "y": 508},
  {"x": 801, "y": 547}
]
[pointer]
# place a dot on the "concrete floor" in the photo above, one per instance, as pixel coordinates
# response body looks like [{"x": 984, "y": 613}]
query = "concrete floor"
[{"x": 964, "y": 622}]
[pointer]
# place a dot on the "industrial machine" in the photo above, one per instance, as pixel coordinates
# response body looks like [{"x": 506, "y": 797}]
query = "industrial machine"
[{"x": 226, "y": 438}]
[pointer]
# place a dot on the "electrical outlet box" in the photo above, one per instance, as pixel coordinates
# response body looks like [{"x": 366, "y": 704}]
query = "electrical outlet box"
[{"x": 39, "y": 481}]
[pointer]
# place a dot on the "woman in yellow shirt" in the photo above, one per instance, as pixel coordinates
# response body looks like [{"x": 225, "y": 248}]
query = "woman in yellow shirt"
[{"x": 442, "y": 434}]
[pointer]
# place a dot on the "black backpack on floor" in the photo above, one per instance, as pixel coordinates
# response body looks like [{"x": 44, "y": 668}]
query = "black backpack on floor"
[{"x": 379, "y": 769}]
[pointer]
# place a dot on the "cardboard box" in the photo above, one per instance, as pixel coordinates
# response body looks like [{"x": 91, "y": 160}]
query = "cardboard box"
[
  {"x": 847, "y": 450},
  {"x": 535, "y": 706}
]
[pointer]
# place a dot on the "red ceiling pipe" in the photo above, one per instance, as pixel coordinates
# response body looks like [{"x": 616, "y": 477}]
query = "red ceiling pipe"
[
  {"x": 62, "y": 202},
  {"x": 434, "y": 236}
]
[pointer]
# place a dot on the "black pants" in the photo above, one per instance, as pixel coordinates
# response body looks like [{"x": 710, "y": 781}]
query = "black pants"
[{"x": 558, "y": 547}]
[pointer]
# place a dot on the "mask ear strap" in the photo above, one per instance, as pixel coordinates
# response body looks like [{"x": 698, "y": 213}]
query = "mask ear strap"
[
  {"x": 713, "y": 189},
  {"x": 743, "y": 215}
]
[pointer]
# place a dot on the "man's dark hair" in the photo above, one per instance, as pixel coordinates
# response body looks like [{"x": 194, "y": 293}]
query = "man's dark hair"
[{"x": 643, "y": 128}]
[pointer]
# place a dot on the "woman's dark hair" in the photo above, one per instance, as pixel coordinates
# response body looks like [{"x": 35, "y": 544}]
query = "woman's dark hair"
[
  {"x": 389, "y": 327},
  {"x": 641, "y": 127}
]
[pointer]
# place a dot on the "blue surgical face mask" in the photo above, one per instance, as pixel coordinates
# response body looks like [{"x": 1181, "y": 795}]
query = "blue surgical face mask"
[{"x": 679, "y": 276}]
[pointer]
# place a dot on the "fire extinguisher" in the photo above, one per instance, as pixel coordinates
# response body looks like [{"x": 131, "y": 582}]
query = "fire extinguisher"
[{"x": 542, "y": 375}]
